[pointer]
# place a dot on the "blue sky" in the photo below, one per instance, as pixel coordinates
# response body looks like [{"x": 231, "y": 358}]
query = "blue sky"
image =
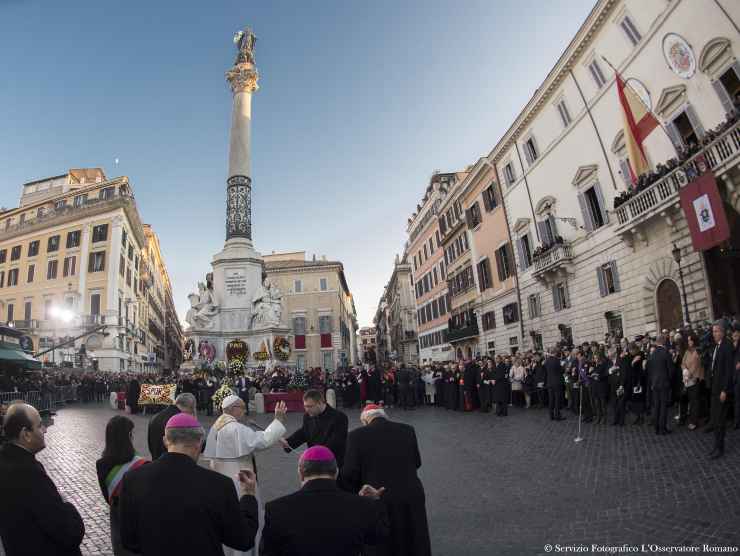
[{"x": 359, "y": 103}]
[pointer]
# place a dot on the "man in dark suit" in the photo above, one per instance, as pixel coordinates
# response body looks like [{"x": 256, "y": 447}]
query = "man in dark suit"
[
  {"x": 554, "y": 381},
  {"x": 34, "y": 519},
  {"x": 320, "y": 519},
  {"x": 243, "y": 384},
  {"x": 723, "y": 366},
  {"x": 184, "y": 403},
  {"x": 322, "y": 425},
  {"x": 382, "y": 459},
  {"x": 659, "y": 370},
  {"x": 403, "y": 379},
  {"x": 174, "y": 506}
]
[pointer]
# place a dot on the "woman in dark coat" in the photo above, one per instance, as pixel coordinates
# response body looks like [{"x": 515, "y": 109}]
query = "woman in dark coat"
[
  {"x": 439, "y": 387},
  {"x": 636, "y": 384},
  {"x": 118, "y": 459},
  {"x": 501, "y": 388}
]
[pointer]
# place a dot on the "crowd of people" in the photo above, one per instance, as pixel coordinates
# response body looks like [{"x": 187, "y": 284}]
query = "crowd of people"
[{"x": 684, "y": 153}]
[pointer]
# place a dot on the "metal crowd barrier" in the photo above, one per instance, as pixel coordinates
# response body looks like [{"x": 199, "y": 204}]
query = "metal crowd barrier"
[{"x": 43, "y": 401}]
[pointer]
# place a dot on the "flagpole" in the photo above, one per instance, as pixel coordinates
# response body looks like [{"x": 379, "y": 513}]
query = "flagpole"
[{"x": 653, "y": 114}]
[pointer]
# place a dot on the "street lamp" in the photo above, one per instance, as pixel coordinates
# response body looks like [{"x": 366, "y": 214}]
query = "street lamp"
[
  {"x": 676, "y": 252},
  {"x": 59, "y": 314}
]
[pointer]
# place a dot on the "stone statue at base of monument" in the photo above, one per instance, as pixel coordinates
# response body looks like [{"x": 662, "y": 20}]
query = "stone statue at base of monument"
[
  {"x": 202, "y": 308},
  {"x": 267, "y": 306}
]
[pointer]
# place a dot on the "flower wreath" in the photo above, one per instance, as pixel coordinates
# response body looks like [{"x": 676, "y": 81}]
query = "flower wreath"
[
  {"x": 281, "y": 347},
  {"x": 220, "y": 394},
  {"x": 189, "y": 349},
  {"x": 206, "y": 350}
]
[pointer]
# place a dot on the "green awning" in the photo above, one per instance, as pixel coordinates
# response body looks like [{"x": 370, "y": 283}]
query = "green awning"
[{"x": 18, "y": 357}]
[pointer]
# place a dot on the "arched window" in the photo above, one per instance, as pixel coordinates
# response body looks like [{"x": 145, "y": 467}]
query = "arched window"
[{"x": 668, "y": 301}]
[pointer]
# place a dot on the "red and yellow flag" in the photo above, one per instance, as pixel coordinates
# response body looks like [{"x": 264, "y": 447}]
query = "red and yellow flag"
[{"x": 638, "y": 123}]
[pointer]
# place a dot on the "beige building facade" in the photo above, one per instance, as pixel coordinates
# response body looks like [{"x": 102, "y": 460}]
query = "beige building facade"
[
  {"x": 318, "y": 307},
  {"x": 70, "y": 261},
  {"x": 429, "y": 275}
]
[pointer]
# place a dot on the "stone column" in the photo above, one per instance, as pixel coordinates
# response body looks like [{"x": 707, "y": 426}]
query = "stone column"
[{"x": 243, "y": 80}]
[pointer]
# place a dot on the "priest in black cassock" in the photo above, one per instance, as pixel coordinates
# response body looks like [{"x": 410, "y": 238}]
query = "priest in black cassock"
[
  {"x": 322, "y": 426},
  {"x": 382, "y": 459}
]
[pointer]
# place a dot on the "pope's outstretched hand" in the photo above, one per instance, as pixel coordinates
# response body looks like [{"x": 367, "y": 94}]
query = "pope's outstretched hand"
[{"x": 280, "y": 410}]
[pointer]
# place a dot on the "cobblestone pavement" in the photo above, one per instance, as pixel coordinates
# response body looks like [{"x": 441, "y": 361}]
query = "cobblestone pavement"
[{"x": 494, "y": 485}]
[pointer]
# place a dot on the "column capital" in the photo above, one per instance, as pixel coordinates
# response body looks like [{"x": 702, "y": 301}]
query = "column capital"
[{"x": 243, "y": 78}]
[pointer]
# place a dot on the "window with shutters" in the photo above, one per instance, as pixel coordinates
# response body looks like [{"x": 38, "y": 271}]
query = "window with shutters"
[
  {"x": 535, "y": 308},
  {"x": 73, "y": 239},
  {"x": 608, "y": 278},
  {"x": 323, "y": 284},
  {"x": 51, "y": 269},
  {"x": 10, "y": 312},
  {"x": 434, "y": 273},
  {"x": 299, "y": 332},
  {"x": 442, "y": 302},
  {"x": 484, "y": 275},
  {"x": 60, "y": 205},
  {"x": 489, "y": 197},
  {"x": 727, "y": 86},
  {"x": 426, "y": 256},
  {"x": 96, "y": 262},
  {"x": 53, "y": 244},
  {"x": 130, "y": 252},
  {"x": 564, "y": 113},
  {"x": 473, "y": 215},
  {"x": 503, "y": 263},
  {"x": 511, "y": 313},
  {"x": 33, "y": 248},
  {"x": 107, "y": 193},
  {"x": 100, "y": 233},
  {"x": 435, "y": 309},
  {"x": 560, "y": 298},
  {"x": 593, "y": 208},
  {"x": 685, "y": 129},
  {"x": 428, "y": 311},
  {"x": 525, "y": 252},
  {"x": 2, "y": 278},
  {"x": 297, "y": 286},
  {"x": 13, "y": 277},
  {"x": 68, "y": 268},
  {"x": 3, "y": 255},
  {"x": 509, "y": 174},
  {"x": 597, "y": 74},
  {"x": 122, "y": 266},
  {"x": 630, "y": 30},
  {"x": 128, "y": 276},
  {"x": 530, "y": 150},
  {"x": 431, "y": 245},
  {"x": 488, "y": 320},
  {"x": 15, "y": 253}
]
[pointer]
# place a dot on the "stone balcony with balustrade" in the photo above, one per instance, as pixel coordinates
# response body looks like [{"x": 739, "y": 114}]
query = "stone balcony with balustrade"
[
  {"x": 661, "y": 199},
  {"x": 554, "y": 262}
]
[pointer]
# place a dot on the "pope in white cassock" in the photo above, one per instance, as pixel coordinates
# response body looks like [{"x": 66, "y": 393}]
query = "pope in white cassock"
[{"x": 231, "y": 445}]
